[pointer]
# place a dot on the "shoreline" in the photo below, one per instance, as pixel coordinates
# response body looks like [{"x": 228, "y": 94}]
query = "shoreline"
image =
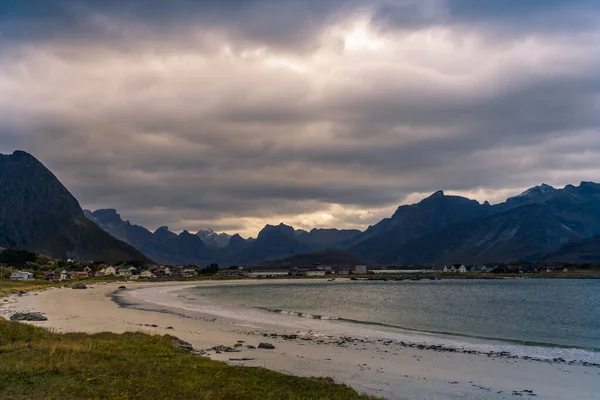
[{"x": 379, "y": 367}]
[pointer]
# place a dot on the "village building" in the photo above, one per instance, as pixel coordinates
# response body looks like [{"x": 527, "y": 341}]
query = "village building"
[
  {"x": 52, "y": 277},
  {"x": 268, "y": 274},
  {"x": 147, "y": 274},
  {"x": 79, "y": 275},
  {"x": 21, "y": 276},
  {"x": 110, "y": 271},
  {"x": 360, "y": 269}
]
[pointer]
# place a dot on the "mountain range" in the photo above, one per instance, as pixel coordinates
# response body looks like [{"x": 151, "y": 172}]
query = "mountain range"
[{"x": 543, "y": 223}]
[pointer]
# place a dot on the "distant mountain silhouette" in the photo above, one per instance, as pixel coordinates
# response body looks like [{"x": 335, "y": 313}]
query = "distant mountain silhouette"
[
  {"x": 318, "y": 239},
  {"x": 213, "y": 239},
  {"x": 409, "y": 222},
  {"x": 532, "y": 225},
  {"x": 163, "y": 246},
  {"x": 542, "y": 223},
  {"x": 38, "y": 213}
]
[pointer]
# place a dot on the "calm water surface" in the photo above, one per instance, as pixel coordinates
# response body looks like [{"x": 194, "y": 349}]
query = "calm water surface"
[{"x": 551, "y": 312}]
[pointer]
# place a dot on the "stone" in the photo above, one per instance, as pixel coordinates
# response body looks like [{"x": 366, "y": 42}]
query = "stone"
[
  {"x": 34, "y": 316},
  {"x": 183, "y": 344},
  {"x": 79, "y": 286},
  {"x": 267, "y": 346}
]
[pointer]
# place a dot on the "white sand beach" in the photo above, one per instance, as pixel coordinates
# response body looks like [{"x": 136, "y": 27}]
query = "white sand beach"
[{"x": 368, "y": 365}]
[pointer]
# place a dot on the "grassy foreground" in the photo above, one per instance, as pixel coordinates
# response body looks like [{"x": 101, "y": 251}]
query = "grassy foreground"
[{"x": 38, "y": 364}]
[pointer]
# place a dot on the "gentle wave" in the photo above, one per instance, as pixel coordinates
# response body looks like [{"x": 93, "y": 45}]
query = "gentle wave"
[
  {"x": 537, "y": 350},
  {"x": 170, "y": 297},
  {"x": 299, "y": 314}
]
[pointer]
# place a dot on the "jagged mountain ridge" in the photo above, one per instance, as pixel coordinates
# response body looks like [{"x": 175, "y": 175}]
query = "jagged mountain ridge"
[
  {"x": 523, "y": 227},
  {"x": 213, "y": 239},
  {"x": 439, "y": 228},
  {"x": 163, "y": 246},
  {"x": 38, "y": 213}
]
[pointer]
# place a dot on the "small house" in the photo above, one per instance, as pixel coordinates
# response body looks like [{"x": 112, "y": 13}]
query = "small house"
[
  {"x": 360, "y": 269},
  {"x": 79, "y": 275},
  {"x": 147, "y": 274},
  {"x": 110, "y": 271},
  {"x": 22, "y": 276},
  {"x": 52, "y": 277}
]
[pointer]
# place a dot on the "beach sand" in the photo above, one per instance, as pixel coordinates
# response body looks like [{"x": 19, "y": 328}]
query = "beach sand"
[{"x": 370, "y": 366}]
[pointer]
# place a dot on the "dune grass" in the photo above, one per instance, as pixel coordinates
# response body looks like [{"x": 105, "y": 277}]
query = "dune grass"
[
  {"x": 38, "y": 364},
  {"x": 8, "y": 287}
]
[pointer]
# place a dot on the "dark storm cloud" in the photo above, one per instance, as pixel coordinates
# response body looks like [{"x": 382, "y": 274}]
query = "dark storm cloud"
[{"x": 233, "y": 114}]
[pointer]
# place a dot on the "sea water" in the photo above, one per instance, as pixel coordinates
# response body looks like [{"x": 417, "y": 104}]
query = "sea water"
[{"x": 539, "y": 318}]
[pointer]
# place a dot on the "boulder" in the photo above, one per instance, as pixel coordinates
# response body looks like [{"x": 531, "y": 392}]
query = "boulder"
[
  {"x": 267, "y": 346},
  {"x": 79, "y": 286},
  {"x": 34, "y": 316},
  {"x": 183, "y": 344}
]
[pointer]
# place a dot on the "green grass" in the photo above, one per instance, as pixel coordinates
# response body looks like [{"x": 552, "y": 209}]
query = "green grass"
[
  {"x": 38, "y": 364},
  {"x": 8, "y": 287}
]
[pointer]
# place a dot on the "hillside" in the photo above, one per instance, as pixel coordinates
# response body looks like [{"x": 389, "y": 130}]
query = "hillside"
[
  {"x": 531, "y": 225},
  {"x": 325, "y": 257},
  {"x": 38, "y": 213}
]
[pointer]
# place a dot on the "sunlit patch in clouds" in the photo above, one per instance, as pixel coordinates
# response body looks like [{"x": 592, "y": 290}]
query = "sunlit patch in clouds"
[{"x": 316, "y": 114}]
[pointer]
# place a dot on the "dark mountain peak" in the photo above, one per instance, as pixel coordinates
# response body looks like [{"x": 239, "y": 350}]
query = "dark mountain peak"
[
  {"x": 281, "y": 229},
  {"x": 212, "y": 238},
  {"x": 108, "y": 216},
  {"x": 39, "y": 214},
  {"x": 164, "y": 232},
  {"x": 486, "y": 203},
  {"x": 237, "y": 241},
  {"x": 22, "y": 154},
  {"x": 589, "y": 187},
  {"x": 533, "y": 193},
  {"x": 439, "y": 193},
  {"x": 185, "y": 233}
]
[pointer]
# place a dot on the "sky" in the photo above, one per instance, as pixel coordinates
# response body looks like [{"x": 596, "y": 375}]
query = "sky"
[{"x": 316, "y": 113}]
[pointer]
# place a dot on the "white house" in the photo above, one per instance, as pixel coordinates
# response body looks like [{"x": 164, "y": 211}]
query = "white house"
[
  {"x": 267, "y": 274},
  {"x": 462, "y": 269},
  {"x": 124, "y": 272},
  {"x": 21, "y": 276},
  {"x": 360, "y": 269},
  {"x": 147, "y": 274},
  {"x": 110, "y": 270},
  {"x": 65, "y": 275},
  {"x": 189, "y": 272},
  {"x": 314, "y": 273}
]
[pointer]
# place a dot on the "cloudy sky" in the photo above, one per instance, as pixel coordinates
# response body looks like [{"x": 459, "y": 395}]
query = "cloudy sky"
[{"x": 234, "y": 114}]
